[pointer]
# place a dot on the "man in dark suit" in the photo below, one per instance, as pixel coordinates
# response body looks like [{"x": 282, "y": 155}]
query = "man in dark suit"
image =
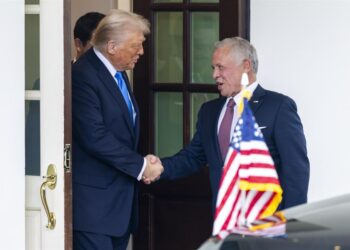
[
  {"x": 274, "y": 112},
  {"x": 106, "y": 166}
]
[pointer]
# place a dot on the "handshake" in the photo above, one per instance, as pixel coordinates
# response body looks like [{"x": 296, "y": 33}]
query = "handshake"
[{"x": 153, "y": 170}]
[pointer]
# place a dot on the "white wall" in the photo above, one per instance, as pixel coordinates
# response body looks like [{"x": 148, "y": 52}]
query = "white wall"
[
  {"x": 12, "y": 125},
  {"x": 304, "y": 50}
]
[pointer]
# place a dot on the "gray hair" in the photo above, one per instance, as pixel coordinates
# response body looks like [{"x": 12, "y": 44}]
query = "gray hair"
[
  {"x": 117, "y": 25},
  {"x": 240, "y": 50}
]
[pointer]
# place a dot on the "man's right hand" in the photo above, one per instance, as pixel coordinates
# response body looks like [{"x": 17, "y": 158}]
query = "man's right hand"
[{"x": 153, "y": 170}]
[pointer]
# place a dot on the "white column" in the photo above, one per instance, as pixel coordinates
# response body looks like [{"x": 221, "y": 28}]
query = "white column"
[{"x": 12, "y": 181}]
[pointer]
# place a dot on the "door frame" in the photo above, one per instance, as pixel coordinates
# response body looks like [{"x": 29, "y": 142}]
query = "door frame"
[{"x": 67, "y": 41}]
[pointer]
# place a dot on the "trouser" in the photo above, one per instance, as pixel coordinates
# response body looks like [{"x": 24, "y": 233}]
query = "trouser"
[{"x": 92, "y": 241}]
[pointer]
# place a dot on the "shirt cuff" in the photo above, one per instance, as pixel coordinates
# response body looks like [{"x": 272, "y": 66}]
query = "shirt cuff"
[{"x": 139, "y": 177}]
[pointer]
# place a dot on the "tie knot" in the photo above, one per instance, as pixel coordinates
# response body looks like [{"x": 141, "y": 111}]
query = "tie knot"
[
  {"x": 119, "y": 77},
  {"x": 231, "y": 103}
]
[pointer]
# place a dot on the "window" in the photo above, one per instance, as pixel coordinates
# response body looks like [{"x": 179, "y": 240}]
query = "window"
[
  {"x": 173, "y": 78},
  {"x": 32, "y": 87}
]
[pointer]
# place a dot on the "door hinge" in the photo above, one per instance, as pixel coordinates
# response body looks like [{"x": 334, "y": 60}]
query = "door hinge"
[{"x": 67, "y": 158}]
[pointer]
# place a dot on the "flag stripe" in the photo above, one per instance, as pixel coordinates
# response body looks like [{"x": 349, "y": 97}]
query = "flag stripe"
[
  {"x": 229, "y": 217},
  {"x": 252, "y": 203},
  {"x": 257, "y": 173},
  {"x": 256, "y": 158},
  {"x": 253, "y": 144},
  {"x": 226, "y": 190},
  {"x": 257, "y": 165},
  {"x": 255, "y": 151}
]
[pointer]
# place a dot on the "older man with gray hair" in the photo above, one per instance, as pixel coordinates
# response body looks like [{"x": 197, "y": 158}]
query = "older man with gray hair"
[
  {"x": 106, "y": 166},
  {"x": 275, "y": 113}
]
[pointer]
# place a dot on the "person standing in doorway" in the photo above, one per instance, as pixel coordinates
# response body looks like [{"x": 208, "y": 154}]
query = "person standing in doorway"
[{"x": 106, "y": 127}]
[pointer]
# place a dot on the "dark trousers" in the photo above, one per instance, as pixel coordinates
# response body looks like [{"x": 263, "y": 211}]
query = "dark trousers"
[{"x": 91, "y": 241}]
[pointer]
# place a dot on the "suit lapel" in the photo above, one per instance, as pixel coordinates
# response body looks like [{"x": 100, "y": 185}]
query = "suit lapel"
[
  {"x": 257, "y": 98},
  {"x": 109, "y": 82}
]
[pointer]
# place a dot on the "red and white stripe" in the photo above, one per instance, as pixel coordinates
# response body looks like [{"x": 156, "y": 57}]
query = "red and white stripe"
[{"x": 237, "y": 208}]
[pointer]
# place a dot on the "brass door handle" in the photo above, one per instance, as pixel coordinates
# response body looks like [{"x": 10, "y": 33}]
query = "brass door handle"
[{"x": 51, "y": 180}]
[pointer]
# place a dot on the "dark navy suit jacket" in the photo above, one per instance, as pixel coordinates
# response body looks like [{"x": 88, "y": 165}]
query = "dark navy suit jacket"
[
  {"x": 283, "y": 134},
  {"x": 105, "y": 162}
]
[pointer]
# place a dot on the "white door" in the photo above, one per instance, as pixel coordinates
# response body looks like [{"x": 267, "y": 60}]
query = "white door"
[{"x": 44, "y": 123}]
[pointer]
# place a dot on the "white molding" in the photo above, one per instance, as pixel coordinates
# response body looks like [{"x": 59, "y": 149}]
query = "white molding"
[
  {"x": 32, "y": 95},
  {"x": 33, "y": 9},
  {"x": 33, "y": 224},
  {"x": 52, "y": 114}
]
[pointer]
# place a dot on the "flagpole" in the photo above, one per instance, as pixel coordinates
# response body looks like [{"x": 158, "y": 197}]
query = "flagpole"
[{"x": 244, "y": 83}]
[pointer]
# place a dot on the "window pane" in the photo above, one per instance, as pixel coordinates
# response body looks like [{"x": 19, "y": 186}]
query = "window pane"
[
  {"x": 204, "y": 33},
  {"x": 197, "y": 99},
  {"x": 32, "y": 52},
  {"x": 168, "y": 47},
  {"x": 168, "y": 1},
  {"x": 204, "y": 1},
  {"x": 168, "y": 120},
  {"x": 32, "y": 134}
]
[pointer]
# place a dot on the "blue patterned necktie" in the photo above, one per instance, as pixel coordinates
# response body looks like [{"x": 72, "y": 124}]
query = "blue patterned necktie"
[{"x": 123, "y": 88}]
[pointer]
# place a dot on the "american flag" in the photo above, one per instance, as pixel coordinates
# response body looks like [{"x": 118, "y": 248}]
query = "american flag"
[{"x": 249, "y": 188}]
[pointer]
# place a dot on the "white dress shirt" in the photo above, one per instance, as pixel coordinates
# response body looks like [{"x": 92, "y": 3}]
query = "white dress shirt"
[{"x": 237, "y": 98}]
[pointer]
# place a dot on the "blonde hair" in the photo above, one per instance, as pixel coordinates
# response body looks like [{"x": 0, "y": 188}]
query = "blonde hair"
[{"x": 116, "y": 25}]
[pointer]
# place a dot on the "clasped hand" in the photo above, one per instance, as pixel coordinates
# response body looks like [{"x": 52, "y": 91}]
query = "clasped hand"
[{"x": 153, "y": 170}]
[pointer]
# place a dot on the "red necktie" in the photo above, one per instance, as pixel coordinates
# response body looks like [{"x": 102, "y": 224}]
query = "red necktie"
[{"x": 225, "y": 129}]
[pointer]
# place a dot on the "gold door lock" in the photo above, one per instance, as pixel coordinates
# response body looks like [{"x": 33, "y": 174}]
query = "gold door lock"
[{"x": 50, "y": 182}]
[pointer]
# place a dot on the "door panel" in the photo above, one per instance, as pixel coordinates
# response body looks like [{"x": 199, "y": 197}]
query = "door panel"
[
  {"x": 33, "y": 214},
  {"x": 44, "y": 121}
]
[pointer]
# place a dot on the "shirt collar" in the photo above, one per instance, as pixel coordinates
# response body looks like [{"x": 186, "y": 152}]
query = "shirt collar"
[
  {"x": 251, "y": 87},
  {"x": 106, "y": 62}
]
